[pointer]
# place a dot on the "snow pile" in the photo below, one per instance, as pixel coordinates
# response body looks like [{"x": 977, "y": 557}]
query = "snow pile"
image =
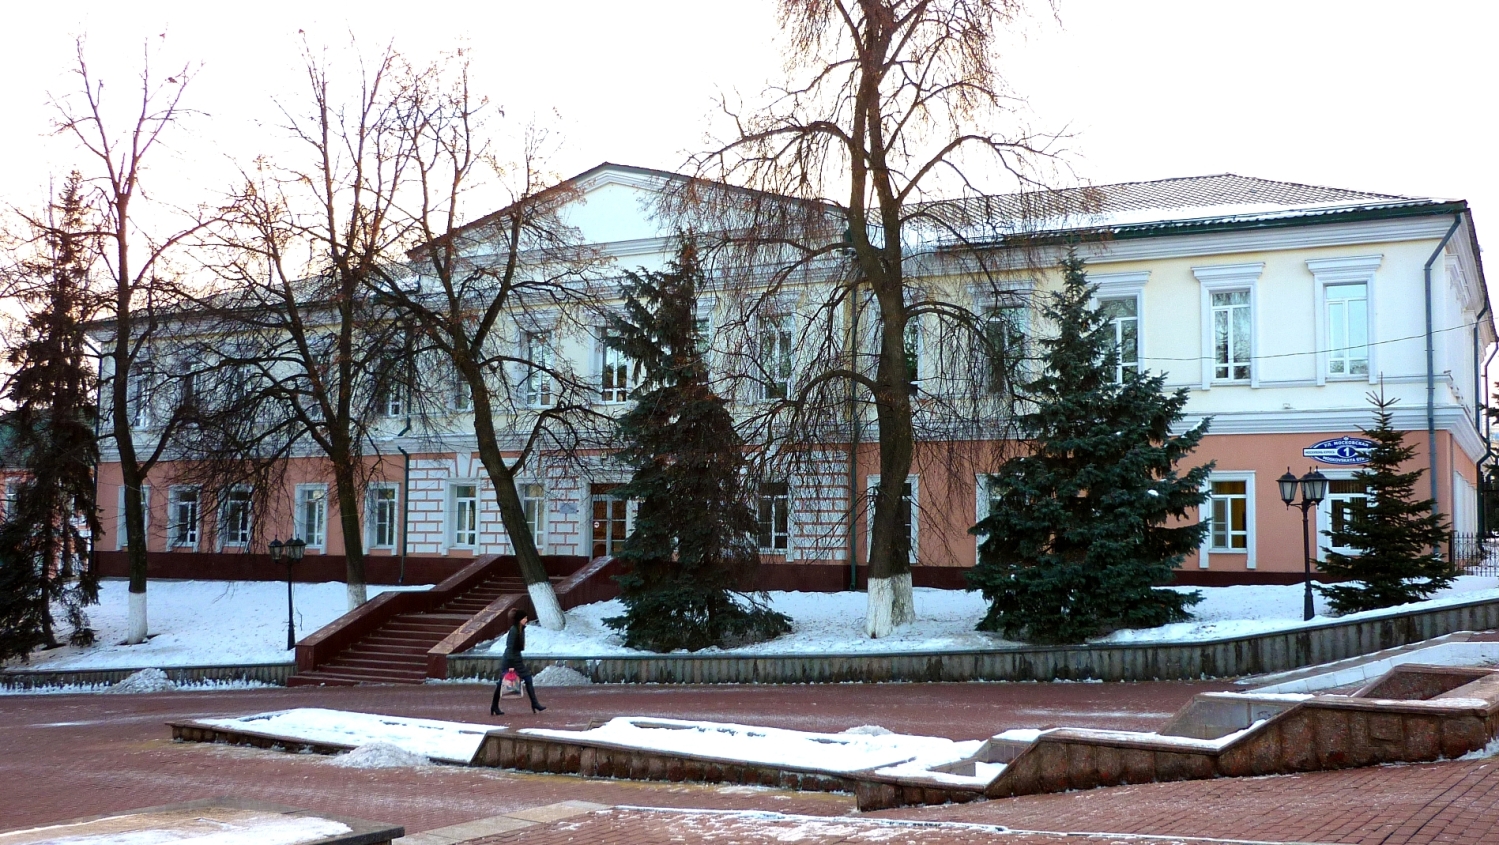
[
  {"x": 560, "y": 676},
  {"x": 839, "y": 753},
  {"x": 869, "y": 730},
  {"x": 146, "y": 680},
  {"x": 1488, "y": 751},
  {"x": 209, "y": 826},
  {"x": 445, "y": 742},
  {"x": 203, "y": 623},
  {"x": 379, "y": 755}
]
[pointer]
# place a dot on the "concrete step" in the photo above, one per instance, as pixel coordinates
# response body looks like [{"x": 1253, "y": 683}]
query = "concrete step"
[
  {"x": 393, "y": 667},
  {"x": 337, "y": 668},
  {"x": 341, "y": 679}
]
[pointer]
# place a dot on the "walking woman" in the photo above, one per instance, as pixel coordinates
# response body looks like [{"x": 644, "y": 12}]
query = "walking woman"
[{"x": 515, "y": 643}]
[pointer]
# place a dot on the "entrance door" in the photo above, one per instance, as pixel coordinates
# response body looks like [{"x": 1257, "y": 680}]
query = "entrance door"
[{"x": 609, "y": 521}]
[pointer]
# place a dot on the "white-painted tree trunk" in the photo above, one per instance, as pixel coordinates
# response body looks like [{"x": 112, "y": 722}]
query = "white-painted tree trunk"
[
  {"x": 548, "y": 610},
  {"x": 890, "y": 605},
  {"x": 357, "y": 595},
  {"x": 135, "y": 626}
]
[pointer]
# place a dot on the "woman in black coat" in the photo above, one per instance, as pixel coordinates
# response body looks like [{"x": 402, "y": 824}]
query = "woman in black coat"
[{"x": 515, "y": 643}]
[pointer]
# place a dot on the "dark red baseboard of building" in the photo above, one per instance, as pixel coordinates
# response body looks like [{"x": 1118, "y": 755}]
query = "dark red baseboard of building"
[
  {"x": 801, "y": 577},
  {"x": 210, "y": 566}
]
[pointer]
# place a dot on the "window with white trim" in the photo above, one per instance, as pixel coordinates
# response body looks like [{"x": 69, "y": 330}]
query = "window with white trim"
[
  {"x": 12, "y": 488},
  {"x": 1229, "y": 521},
  {"x": 907, "y": 512},
  {"x": 138, "y": 394},
  {"x": 1348, "y": 329},
  {"x": 234, "y": 517},
  {"x": 312, "y": 514},
  {"x": 1123, "y": 315},
  {"x": 185, "y": 514},
  {"x": 533, "y": 500},
  {"x": 774, "y": 517},
  {"x": 1347, "y": 501},
  {"x": 1004, "y": 328},
  {"x": 381, "y": 516},
  {"x": 460, "y": 395},
  {"x": 616, "y": 371},
  {"x": 1233, "y": 343},
  {"x": 122, "y": 536},
  {"x": 540, "y": 392},
  {"x": 776, "y": 339},
  {"x": 463, "y": 515}
]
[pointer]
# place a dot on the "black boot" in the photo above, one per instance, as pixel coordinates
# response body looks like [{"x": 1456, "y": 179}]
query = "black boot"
[
  {"x": 494, "y": 703},
  {"x": 531, "y": 691}
]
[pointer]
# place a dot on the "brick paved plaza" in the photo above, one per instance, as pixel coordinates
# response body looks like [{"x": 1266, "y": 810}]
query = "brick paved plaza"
[{"x": 64, "y": 756}]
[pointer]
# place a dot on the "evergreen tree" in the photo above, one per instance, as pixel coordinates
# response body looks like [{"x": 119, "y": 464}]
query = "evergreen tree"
[
  {"x": 1084, "y": 528},
  {"x": 691, "y": 554},
  {"x": 46, "y": 535},
  {"x": 1397, "y": 536}
]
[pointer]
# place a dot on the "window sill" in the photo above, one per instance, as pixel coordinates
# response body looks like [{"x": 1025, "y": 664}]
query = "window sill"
[{"x": 1213, "y": 551}]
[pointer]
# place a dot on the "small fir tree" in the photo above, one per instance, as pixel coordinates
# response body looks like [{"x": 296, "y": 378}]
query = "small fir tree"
[
  {"x": 45, "y": 536},
  {"x": 1396, "y": 535},
  {"x": 691, "y": 555},
  {"x": 1084, "y": 529}
]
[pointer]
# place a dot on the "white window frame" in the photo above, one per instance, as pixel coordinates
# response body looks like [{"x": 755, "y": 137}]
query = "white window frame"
[
  {"x": 454, "y": 538},
  {"x": 1326, "y": 272},
  {"x": 786, "y": 501},
  {"x": 982, "y": 498},
  {"x": 373, "y": 505},
  {"x": 121, "y": 541},
  {"x": 319, "y": 540},
  {"x": 139, "y": 392},
  {"x": 12, "y": 491},
  {"x": 539, "y": 384},
  {"x": 781, "y": 329},
  {"x": 1324, "y": 516},
  {"x": 610, "y": 358},
  {"x": 871, "y": 485},
  {"x": 175, "y": 538},
  {"x": 1111, "y": 286},
  {"x": 1017, "y": 300},
  {"x": 535, "y": 508},
  {"x": 1225, "y": 278},
  {"x": 225, "y": 541},
  {"x": 460, "y": 396},
  {"x": 1205, "y": 514}
]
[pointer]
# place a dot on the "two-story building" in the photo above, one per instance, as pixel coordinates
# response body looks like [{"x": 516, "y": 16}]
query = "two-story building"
[{"x": 1278, "y": 306}]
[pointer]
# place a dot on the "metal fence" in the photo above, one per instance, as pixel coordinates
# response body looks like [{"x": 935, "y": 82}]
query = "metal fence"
[{"x": 1474, "y": 554}]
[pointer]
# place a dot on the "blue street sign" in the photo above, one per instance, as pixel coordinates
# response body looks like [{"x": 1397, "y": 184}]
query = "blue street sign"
[{"x": 1342, "y": 451}]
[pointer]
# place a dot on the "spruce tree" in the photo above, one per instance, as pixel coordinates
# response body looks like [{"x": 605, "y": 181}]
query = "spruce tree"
[
  {"x": 1085, "y": 527},
  {"x": 691, "y": 555},
  {"x": 1396, "y": 535},
  {"x": 46, "y": 534}
]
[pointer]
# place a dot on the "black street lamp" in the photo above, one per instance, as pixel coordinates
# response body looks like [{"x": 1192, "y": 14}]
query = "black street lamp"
[
  {"x": 1313, "y": 491},
  {"x": 289, "y": 553}
]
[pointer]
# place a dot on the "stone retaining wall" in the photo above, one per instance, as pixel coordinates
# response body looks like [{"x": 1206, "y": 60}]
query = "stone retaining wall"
[
  {"x": 268, "y": 673},
  {"x": 1231, "y": 657}
]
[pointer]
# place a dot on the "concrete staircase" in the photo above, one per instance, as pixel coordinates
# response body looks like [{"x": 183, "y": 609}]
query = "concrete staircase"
[{"x": 396, "y": 651}]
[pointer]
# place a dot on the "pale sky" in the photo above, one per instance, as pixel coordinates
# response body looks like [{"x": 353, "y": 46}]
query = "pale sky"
[{"x": 1381, "y": 96}]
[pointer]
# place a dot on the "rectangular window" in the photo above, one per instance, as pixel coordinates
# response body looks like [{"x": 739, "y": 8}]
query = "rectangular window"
[
  {"x": 187, "y": 389},
  {"x": 463, "y": 514},
  {"x": 1124, "y": 317},
  {"x": 312, "y": 514},
  {"x": 533, "y": 499},
  {"x": 907, "y": 508},
  {"x": 460, "y": 397},
  {"x": 614, "y": 373},
  {"x": 393, "y": 403},
  {"x": 539, "y": 386},
  {"x": 235, "y": 522},
  {"x": 775, "y": 517},
  {"x": 1232, "y": 344},
  {"x": 382, "y": 516},
  {"x": 185, "y": 516},
  {"x": 701, "y": 334},
  {"x": 1347, "y": 500},
  {"x": 122, "y": 535},
  {"x": 912, "y": 344},
  {"x": 1004, "y": 329},
  {"x": 1348, "y": 330},
  {"x": 138, "y": 395},
  {"x": 1230, "y": 516},
  {"x": 11, "y": 491},
  {"x": 775, "y": 357}
]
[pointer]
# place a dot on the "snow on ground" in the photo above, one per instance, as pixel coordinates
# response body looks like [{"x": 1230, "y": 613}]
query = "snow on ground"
[
  {"x": 447, "y": 742},
  {"x": 560, "y": 676},
  {"x": 379, "y": 755},
  {"x": 833, "y": 623},
  {"x": 202, "y": 623},
  {"x": 890, "y": 753},
  {"x": 206, "y": 826}
]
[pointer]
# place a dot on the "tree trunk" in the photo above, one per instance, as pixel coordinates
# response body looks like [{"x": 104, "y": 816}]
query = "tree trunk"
[
  {"x": 347, "y": 490},
  {"x": 513, "y": 517},
  {"x": 135, "y": 512},
  {"x": 890, "y": 601}
]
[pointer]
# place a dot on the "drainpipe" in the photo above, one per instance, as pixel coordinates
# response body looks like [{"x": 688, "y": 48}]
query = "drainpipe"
[
  {"x": 1431, "y": 372},
  {"x": 405, "y": 498},
  {"x": 1484, "y": 425}
]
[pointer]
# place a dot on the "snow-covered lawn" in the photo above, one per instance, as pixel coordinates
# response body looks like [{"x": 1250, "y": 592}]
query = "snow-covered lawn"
[
  {"x": 244, "y": 622},
  {"x": 833, "y": 623},
  {"x": 202, "y": 623},
  {"x": 448, "y": 742}
]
